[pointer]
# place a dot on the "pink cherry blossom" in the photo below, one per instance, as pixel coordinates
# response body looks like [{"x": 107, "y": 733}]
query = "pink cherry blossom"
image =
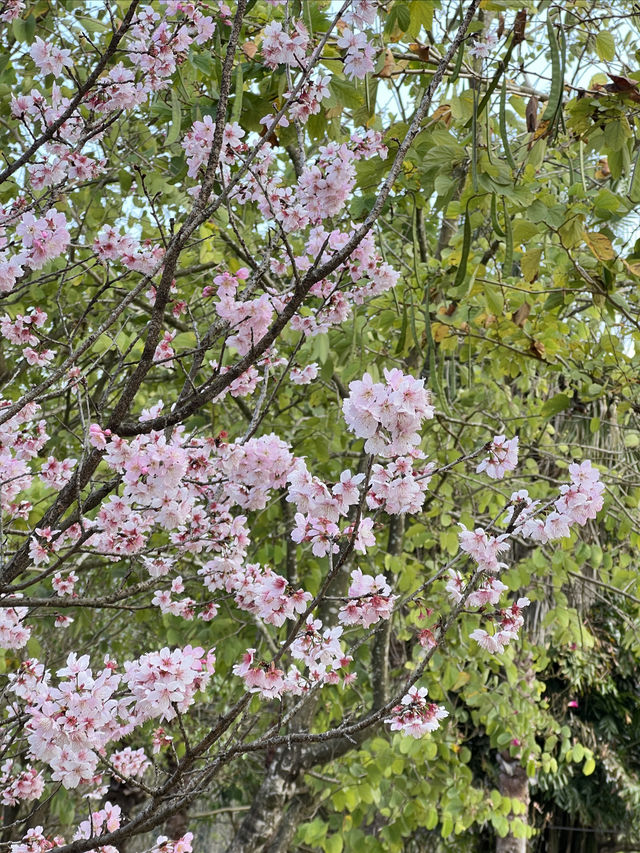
[
  {"x": 503, "y": 457},
  {"x": 415, "y": 716}
]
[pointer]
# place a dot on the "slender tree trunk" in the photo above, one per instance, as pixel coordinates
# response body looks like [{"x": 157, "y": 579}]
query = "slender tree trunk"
[{"x": 513, "y": 782}]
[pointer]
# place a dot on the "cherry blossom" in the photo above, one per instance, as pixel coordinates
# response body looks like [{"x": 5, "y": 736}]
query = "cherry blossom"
[
  {"x": 359, "y": 57},
  {"x": 49, "y": 58},
  {"x": 503, "y": 457},
  {"x": 370, "y": 600},
  {"x": 415, "y": 716},
  {"x": 130, "y": 762},
  {"x": 16, "y": 785},
  {"x": 508, "y": 623},
  {"x": 388, "y": 416},
  {"x": 483, "y": 548}
]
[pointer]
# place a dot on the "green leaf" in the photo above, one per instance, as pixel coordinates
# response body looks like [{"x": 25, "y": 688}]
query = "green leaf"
[
  {"x": 344, "y": 94},
  {"x": 589, "y": 766},
  {"x": 176, "y": 119},
  {"x": 495, "y": 299},
  {"x": 431, "y": 818},
  {"x": 24, "y": 29},
  {"x": 403, "y": 17},
  {"x": 447, "y": 826},
  {"x": 616, "y": 134},
  {"x": 605, "y": 45},
  {"x": 421, "y": 16},
  {"x": 556, "y": 404},
  {"x": 523, "y": 231},
  {"x": 333, "y": 844}
]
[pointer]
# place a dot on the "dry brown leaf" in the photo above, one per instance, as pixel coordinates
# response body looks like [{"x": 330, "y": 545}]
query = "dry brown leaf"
[
  {"x": 519, "y": 26},
  {"x": 602, "y": 172},
  {"x": 420, "y": 50},
  {"x": 541, "y": 130},
  {"x": 249, "y": 48},
  {"x": 443, "y": 113},
  {"x": 623, "y": 86},
  {"x": 519, "y": 317},
  {"x": 389, "y": 65},
  {"x": 531, "y": 114}
]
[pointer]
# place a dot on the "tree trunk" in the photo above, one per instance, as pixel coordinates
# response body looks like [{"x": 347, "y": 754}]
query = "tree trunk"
[
  {"x": 513, "y": 782},
  {"x": 260, "y": 827}
]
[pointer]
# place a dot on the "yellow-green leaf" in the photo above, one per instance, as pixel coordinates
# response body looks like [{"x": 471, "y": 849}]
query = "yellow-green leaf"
[
  {"x": 530, "y": 264},
  {"x": 600, "y": 245},
  {"x": 605, "y": 45}
]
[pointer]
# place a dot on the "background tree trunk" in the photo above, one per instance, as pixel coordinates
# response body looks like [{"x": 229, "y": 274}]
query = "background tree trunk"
[{"x": 513, "y": 782}]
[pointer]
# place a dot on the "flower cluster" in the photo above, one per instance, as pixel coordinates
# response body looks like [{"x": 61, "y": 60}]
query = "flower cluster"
[
  {"x": 358, "y": 61},
  {"x": 320, "y": 650},
  {"x": 198, "y": 141},
  {"x": 304, "y": 375},
  {"x": 320, "y": 509},
  {"x": 57, "y": 472},
  {"x": 13, "y": 633},
  {"x": 57, "y": 164},
  {"x": 482, "y": 47},
  {"x": 483, "y": 548},
  {"x": 309, "y": 99},
  {"x": 256, "y": 589},
  {"x": 43, "y": 239},
  {"x": 21, "y": 439},
  {"x": 508, "y": 624},
  {"x": 104, "y": 820},
  {"x": 130, "y": 762},
  {"x": 415, "y": 716},
  {"x": 48, "y": 58},
  {"x": 35, "y": 841},
  {"x": 64, "y": 585},
  {"x": 503, "y": 457},
  {"x": 267, "y": 680},
  {"x": 397, "y": 487},
  {"x": 282, "y": 48},
  {"x": 250, "y": 317},
  {"x": 370, "y": 600},
  {"x": 388, "y": 415},
  {"x": 20, "y": 330},
  {"x": 27, "y": 784},
  {"x": 70, "y": 725},
  {"x": 110, "y": 245},
  {"x": 254, "y": 468},
  {"x": 489, "y": 591},
  {"x": 580, "y": 500},
  {"x": 164, "y": 683}
]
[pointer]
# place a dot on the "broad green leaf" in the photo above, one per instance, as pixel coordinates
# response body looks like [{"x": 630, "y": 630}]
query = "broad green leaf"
[{"x": 605, "y": 45}]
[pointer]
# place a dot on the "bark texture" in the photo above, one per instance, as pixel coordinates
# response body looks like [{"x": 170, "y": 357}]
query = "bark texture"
[
  {"x": 258, "y": 832},
  {"x": 513, "y": 782}
]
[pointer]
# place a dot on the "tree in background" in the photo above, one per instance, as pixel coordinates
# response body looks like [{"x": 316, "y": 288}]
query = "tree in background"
[{"x": 318, "y": 365}]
